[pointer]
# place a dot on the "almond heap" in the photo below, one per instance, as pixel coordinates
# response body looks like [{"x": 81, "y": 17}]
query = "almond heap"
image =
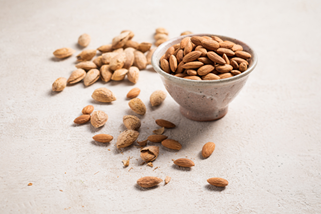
[{"x": 205, "y": 58}]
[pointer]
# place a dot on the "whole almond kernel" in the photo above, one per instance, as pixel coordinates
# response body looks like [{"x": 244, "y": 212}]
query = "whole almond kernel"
[
  {"x": 157, "y": 97},
  {"x": 180, "y": 56},
  {"x": 192, "y": 78},
  {"x": 202, "y": 50},
  {"x": 208, "y": 149},
  {"x": 181, "y": 75},
  {"x": 140, "y": 60},
  {"x": 210, "y": 44},
  {"x": 84, "y": 40},
  {"x": 119, "y": 74},
  {"x": 160, "y": 36},
  {"x": 180, "y": 68},
  {"x": 165, "y": 65},
  {"x": 159, "y": 42},
  {"x": 103, "y": 138},
  {"x": 137, "y": 106},
  {"x": 172, "y": 144},
  {"x": 184, "y": 42},
  {"x": 235, "y": 72},
  {"x": 226, "y": 51},
  {"x": 234, "y": 64},
  {"x": 197, "y": 40},
  {"x": 215, "y": 57},
  {"x": 191, "y": 72},
  {"x": 218, "y": 39},
  {"x": 173, "y": 63},
  {"x": 170, "y": 51},
  {"x": 239, "y": 60},
  {"x": 148, "y": 181},
  {"x": 105, "y": 48},
  {"x": 133, "y": 74},
  {"x": 192, "y": 56},
  {"x": 157, "y": 138},
  {"x": 186, "y": 33},
  {"x": 149, "y": 153},
  {"x": 243, "y": 67},
  {"x": 226, "y": 44},
  {"x": 167, "y": 180},
  {"x": 103, "y": 95},
  {"x": 218, "y": 182},
  {"x": 224, "y": 68},
  {"x": 210, "y": 76},
  {"x": 133, "y": 93},
  {"x": 144, "y": 46},
  {"x": 98, "y": 61},
  {"x": 86, "y": 65},
  {"x": 91, "y": 77},
  {"x": 86, "y": 55},
  {"x": 161, "y": 30},
  {"x": 82, "y": 119},
  {"x": 59, "y": 84},
  {"x": 98, "y": 119},
  {"x": 130, "y": 35},
  {"x": 117, "y": 61},
  {"x": 237, "y": 48},
  {"x": 206, "y": 61},
  {"x": 131, "y": 44},
  {"x": 129, "y": 52},
  {"x": 184, "y": 162},
  {"x": 88, "y": 109},
  {"x": 227, "y": 60},
  {"x": 105, "y": 73},
  {"x": 192, "y": 65},
  {"x": 225, "y": 75},
  {"x": 106, "y": 57},
  {"x": 188, "y": 48},
  {"x": 76, "y": 76},
  {"x": 126, "y": 138},
  {"x": 205, "y": 69},
  {"x": 62, "y": 53},
  {"x": 120, "y": 40},
  {"x": 165, "y": 123},
  {"x": 131, "y": 122},
  {"x": 149, "y": 56}
]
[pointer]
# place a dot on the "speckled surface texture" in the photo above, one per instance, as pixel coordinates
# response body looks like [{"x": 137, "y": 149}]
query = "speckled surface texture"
[{"x": 268, "y": 146}]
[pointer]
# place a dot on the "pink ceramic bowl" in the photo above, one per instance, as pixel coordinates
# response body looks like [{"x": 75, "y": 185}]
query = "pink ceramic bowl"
[{"x": 202, "y": 100}]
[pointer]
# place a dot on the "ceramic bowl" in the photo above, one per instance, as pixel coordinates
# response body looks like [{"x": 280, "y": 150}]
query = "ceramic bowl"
[{"x": 203, "y": 100}]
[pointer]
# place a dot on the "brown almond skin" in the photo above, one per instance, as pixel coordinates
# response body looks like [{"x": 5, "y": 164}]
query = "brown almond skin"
[
  {"x": 243, "y": 67},
  {"x": 148, "y": 181},
  {"x": 208, "y": 149},
  {"x": 239, "y": 60},
  {"x": 184, "y": 162},
  {"x": 226, "y": 51},
  {"x": 215, "y": 57},
  {"x": 197, "y": 40},
  {"x": 218, "y": 182},
  {"x": 188, "y": 48},
  {"x": 194, "y": 55},
  {"x": 103, "y": 138},
  {"x": 133, "y": 93},
  {"x": 173, "y": 63},
  {"x": 172, "y": 144},
  {"x": 235, "y": 72},
  {"x": 157, "y": 138},
  {"x": 165, "y": 123},
  {"x": 243, "y": 54},
  {"x": 210, "y": 44},
  {"x": 224, "y": 68},
  {"x": 88, "y": 109},
  {"x": 226, "y": 44},
  {"x": 210, "y": 76},
  {"x": 205, "y": 69},
  {"x": 225, "y": 75},
  {"x": 165, "y": 65},
  {"x": 184, "y": 42},
  {"x": 149, "y": 153},
  {"x": 237, "y": 48},
  {"x": 206, "y": 61},
  {"x": 82, "y": 119},
  {"x": 192, "y": 65}
]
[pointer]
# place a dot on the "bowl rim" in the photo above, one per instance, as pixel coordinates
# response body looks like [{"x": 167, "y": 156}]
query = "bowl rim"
[{"x": 155, "y": 61}]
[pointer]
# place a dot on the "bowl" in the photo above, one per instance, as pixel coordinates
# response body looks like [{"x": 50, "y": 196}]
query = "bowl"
[{"x": 201, "y": 100}]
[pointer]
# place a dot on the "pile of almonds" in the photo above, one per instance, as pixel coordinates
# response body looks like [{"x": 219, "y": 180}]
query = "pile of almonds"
[{"x": 205, "y": 58}]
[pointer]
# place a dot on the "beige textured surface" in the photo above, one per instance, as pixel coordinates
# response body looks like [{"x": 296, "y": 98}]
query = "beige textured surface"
[{"x": 268, "y": 146}]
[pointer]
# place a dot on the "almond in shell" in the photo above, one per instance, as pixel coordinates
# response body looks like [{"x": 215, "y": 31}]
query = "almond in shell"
[
  {"x": 192, "y": 65},
  {"x": 224, "y": 68},
  {"x": 98, "y": 61},
  {"x": 98, "y": 119},
  {"x": 103, "y": 95},
  {"x": 91, "y": 77},
  {"x": 140, "y": 60},
  {"x": 131, "y": 122},
  {"x": 63, "y": 53},
  {"x": 144, "y": 46},
  {"x": 157, "y": 97},
  {"x": 137, "y": 106},
  {"x": 148, "y": 181},
  {"x": 205, "y": 69},
  {"x": 133, "y": 74},
  {"x": 118, "y": 61},
  {"x": 131, "y": 44},
  {"x": 86, "y": 65},
  {"x": 105, "y": 48},
  {"x": 59, "y": 84},
  {"x": 105, "y": 73},
  {"x": 106, "y": 57},
  {"x": 126, "y": 138},
  {"x": 120, "y": 40},
  {"x": 129, "y": 52},
  {"x": 84, "y": 40},
  {"x": 103, "y": 138},
  {"x": 86, "y": 55}
]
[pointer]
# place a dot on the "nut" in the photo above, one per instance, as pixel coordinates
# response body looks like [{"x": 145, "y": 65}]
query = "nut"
[
  {"x": 119, "y": 74},
  {"x": 219, "y": 182},
  {"x": 63, "y": 53},
  {"x": 91, "y": 77},
  {"x": 144, "y": 46},
  {"x": 86, "y": 65},
  {"x": 76, "y": 76},
  {"x": 208, "y": 149},
  {"x": 59, "y": 84},
  {"x": 126, "y": 138},
  {"x": 129, "y": 53},
  {"x": 105, "y": 73},
  {"x": 165, "y": 123},
  {"x": 137, "y": 106},
  {"x": 184, "y": 162},
  {"x": 86, "y": 55},
  {"x": 84, "y": 40},
  {"x": 149, "y": 153},
  {"x": 167, "y": 180},
  {"x": 120, "y": 40},
  {"x": 117, "y": 61},
  {"x": 131, "y": 122},
  {"x": 98, "y": 119},
  {"x": 148, "y": 181},
  {"x": 156, "y": 138},
  {"x": 88, "y": 109},
  {"x": 140, "y": 60},
  {"x": 82, "y": 119},
  {"x": 133, "y": 74},
  {"x": 103, "y": 138},
  {"x": 172, "y": 144},
  {"x": 149, "y": 56},
  {"x": 103, "y": 95},
  {"x": 157, "y": 97},
  {"x": 159, "y": 131},
  {"x": 105, "y": 48},
  {"x": 133, "y": 93}
]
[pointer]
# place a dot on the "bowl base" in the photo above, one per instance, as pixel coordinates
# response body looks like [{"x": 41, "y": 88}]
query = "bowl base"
[{"x": 203, "y": 116}]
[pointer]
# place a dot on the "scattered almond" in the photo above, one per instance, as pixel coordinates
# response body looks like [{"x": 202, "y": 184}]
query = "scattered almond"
[
  {"x": 84, "y": 40},
  {"x": 103, "y": 95},
  {"x": 98, "y": 118},
  {"x": 133, "y": 93},
  {"x": 88, "y": 109},
  {"x": 172, "y": 144},
  {"x": 157, "y": 97},
  {"x": 159, "y": 131},
  {"x": 149, "y": 153},
  {"x": 137, "y": 106},
  {"x": 133, "y": 74},
  {"x": 218, "y": 182},
  {"x": 208, "y": 149},
  {"x": 86, "y": 55},
  {"x": 105, "y": 48},
  {"x": 76, "y": 76},
  {"x": 156, "y": 138},
  {"x": 82, "y": 119},
  {"x": 59, "y": 84},
  {"x": 63, "y": 53},
  {"x": 131, "y": 122},
  {"x": 103, "y": 138},
  {"x": 91, "y": 77},
  {"x": 126, "y": 138},
  {"x": 165, "y": 123},
  {"x": 184, "y": 162},
  {"x": 148, "y": 181}
]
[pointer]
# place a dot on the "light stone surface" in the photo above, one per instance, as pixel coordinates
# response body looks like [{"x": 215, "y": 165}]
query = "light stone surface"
[{"x": 268, "y": 146}]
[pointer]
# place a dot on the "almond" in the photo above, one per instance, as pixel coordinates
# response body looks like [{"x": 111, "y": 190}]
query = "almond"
[
  {"x": 210, "y": 76},
  {"x": 170, "y": 51},
  {"x": 140, "y": 60},
  {"x": 167, "y": 180},
  {"x": 226, "y": 44},
  {"x": 103, "y": 138},
  {"x": 129, "y": 53},
  {"x": 59, "y": 84},
  {"x": 206, "y": 61},
  {"x": 235, "y": 72},
  {"x": 227, "y": 60},
  {"x": 117, "y": 62},
  {"x": 210, "y": 44},
  {"x": 243, "y": 67},
  {"x": 173, "y": 63},
  {"x": 180, "y": 68},
  {"x": 205, "y": 69},
  {"x": 120, "y": 40},
  {"x": 98, "y": 61},
  {"x": 225, "y": 75},
  {"x": 192, "y": 56},
  {"x": 148, "y": 181},
  {"x": 98, "y": 119},
  {"x": 105, "y": 73},
  {"x": 144, "y": 46},
  {"x": 86, "y": 55},
  {"x": 243, "y": 54},
  {"x": 165, "y": 123},
  {"x": 218, "y": 182},
  {"x": 239, "y": 60},
  {"x": 131, "y": 44},
  {"x": 184, "y": 42},
  {"x": 186, "y": 33},
  {"x": 216, "y": 38},
  {"x": 159, "y": 42},
  {"x": 82, "y": 119},
  {"x": 237, "y": 48},
  {"x": 160, "y": 36},
  {"x": 131, "y": 122},
  {"x": 84, "y": 40},
  {"x": 106, "y": 57},
  {"x": 156, "y": 138},
  {"x": 191, "y": 72},
  {"x": 149, "y": 56},
  {"x": 133, "y": 74},
  {"x": 182, "y": 75},
  {"x": 197, "y": 40},
  {"x": 165, "y": 65},
  {"x": 188, "y": 48},
  {"x": 91, "y": 77},
  {"x": 159, "y": 131},
  {"x": 149, "y": 153},
  {"x": 157, "y": 97},
  {"x": 234, "y": 64},
  {"x": 161, "y": 30},
  {"x": 126, "y": 138},
  {"x": 192, "y": 65},
  {"x": 184, "y": 162},
  {"x": 63, "y": 53},
  {"x": 76, "y": 76},
  {"x": 88, "y": 109},
  {"x": 86, "y": 65},
  {"x": 105, "y": 48},
  {"x": 119, "y": 74},
  {"x": 224, "y": 68},
  {"x": 192, "y": 78},
  {"x": 142, "y": 143},
  {"x": 133, "y": 93},
  {"x": 103, "y": 95},
  {"x": 226, "y": 51},
  {"x": 137, "y": 106},
  {"x": 172, "y": 144},
  {"x": 130, "y": 35},
  {"x": 180, "y": 56},
  {"x": 215, "y": 57},
  {"x": 208, "y": 149},
  {"x": 202, "y": 50}
]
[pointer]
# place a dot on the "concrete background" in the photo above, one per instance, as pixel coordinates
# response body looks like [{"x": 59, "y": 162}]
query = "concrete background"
[{"x": 268, "y": 146}]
